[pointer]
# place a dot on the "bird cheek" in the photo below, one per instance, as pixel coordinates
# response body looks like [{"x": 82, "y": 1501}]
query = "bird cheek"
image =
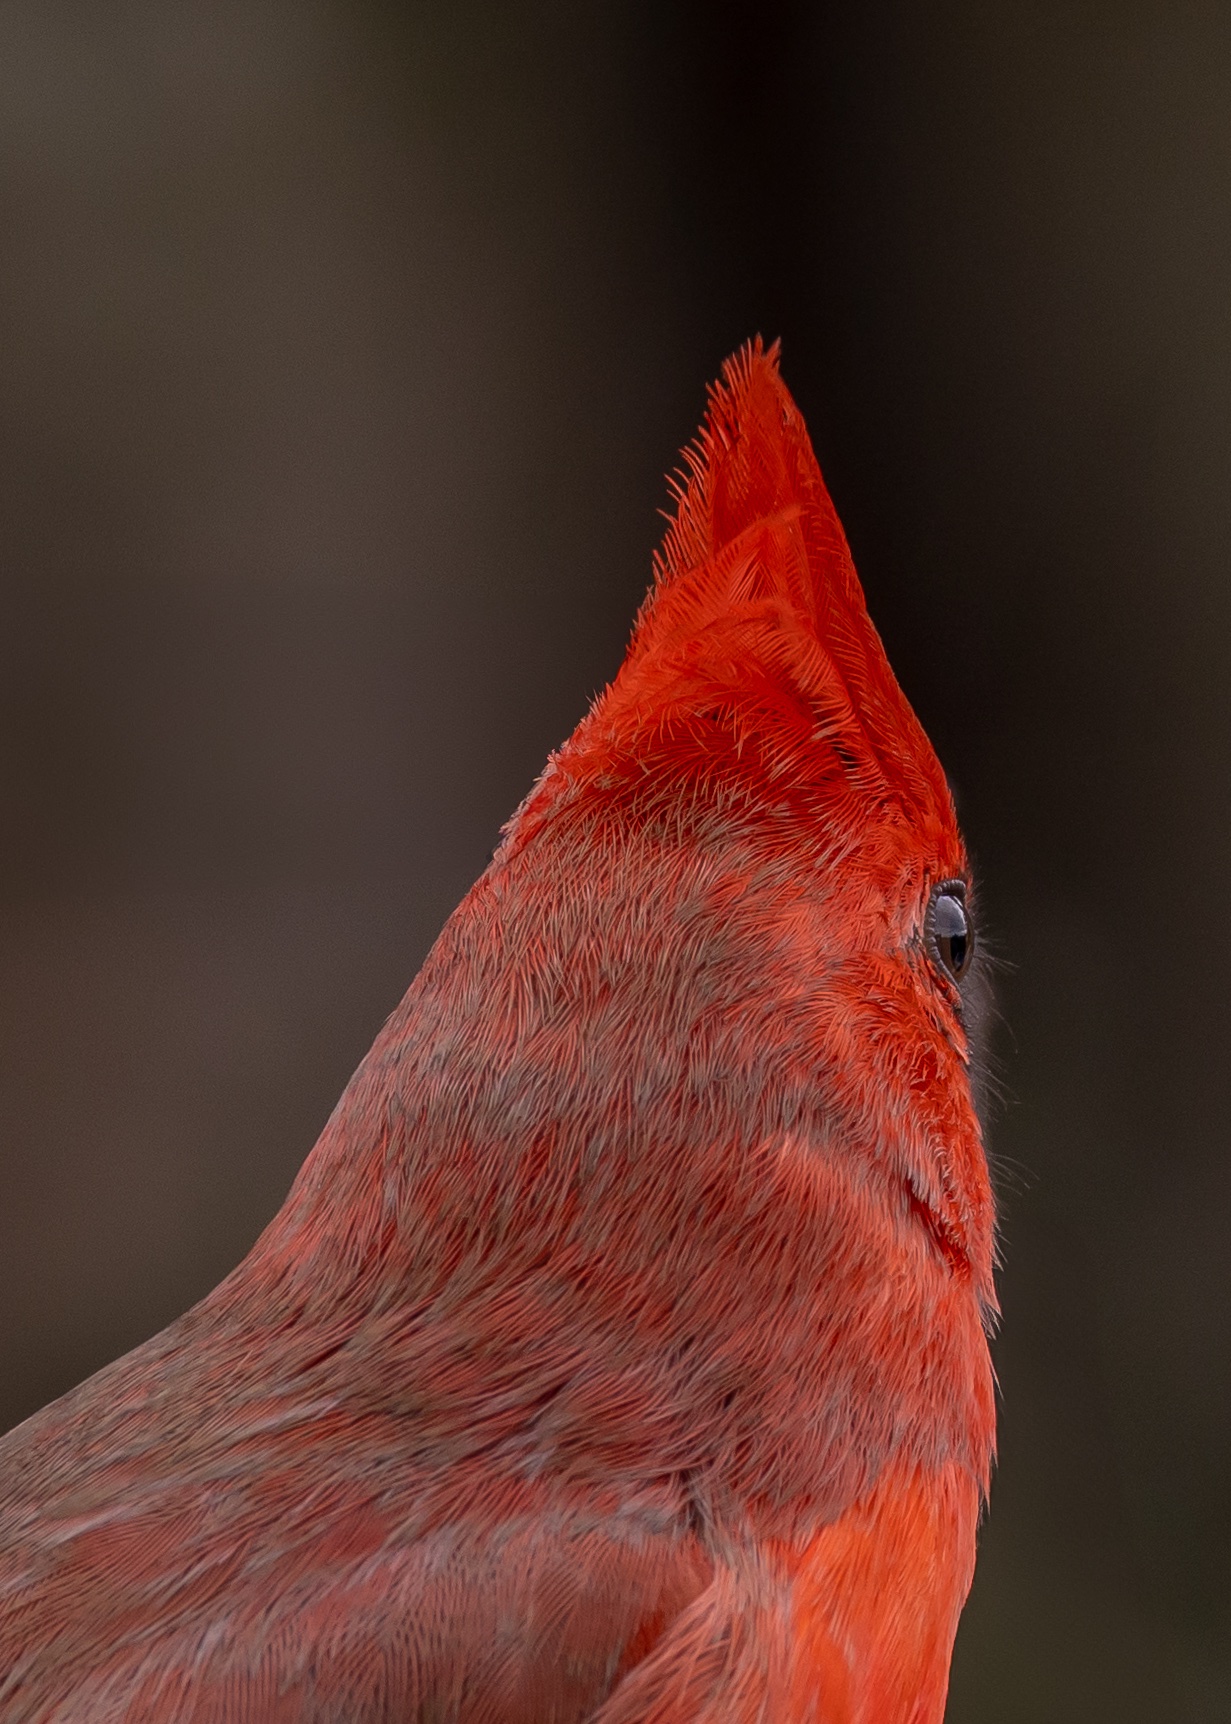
[{"x": 904, "y": 1091}]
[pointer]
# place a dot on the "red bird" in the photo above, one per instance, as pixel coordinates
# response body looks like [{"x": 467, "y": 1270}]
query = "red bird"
[{"x": 618, "y": 1354}]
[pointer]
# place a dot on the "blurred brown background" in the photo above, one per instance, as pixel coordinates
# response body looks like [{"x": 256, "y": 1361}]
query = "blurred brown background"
[{"x": 343, "y": 348}]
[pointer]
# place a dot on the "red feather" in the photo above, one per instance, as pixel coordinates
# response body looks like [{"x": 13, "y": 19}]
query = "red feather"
[{"x": 618, "y": 1354}]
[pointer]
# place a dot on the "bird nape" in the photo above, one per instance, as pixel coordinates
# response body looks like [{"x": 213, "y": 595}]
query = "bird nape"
[{"x": 619, "y": 1353}]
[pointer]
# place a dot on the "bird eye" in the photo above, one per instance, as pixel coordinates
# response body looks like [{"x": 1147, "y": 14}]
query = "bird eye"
[{"x": 952, "y": 936}]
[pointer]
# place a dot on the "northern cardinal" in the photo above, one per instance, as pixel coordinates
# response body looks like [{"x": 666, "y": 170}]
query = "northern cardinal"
[{"x": 619, "y": 1353}]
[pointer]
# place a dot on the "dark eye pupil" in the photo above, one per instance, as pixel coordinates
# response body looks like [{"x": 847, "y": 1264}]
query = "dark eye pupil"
[
  {"x": 951, "y": 930},
  {"x": 955, "y": 956}
]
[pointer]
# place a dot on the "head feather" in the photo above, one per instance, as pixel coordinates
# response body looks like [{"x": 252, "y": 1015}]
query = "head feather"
[{"x": 755, "y": 635}]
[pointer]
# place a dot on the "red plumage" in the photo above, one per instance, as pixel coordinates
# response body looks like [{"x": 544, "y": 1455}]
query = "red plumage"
[{"x": 618, "y": 1354}]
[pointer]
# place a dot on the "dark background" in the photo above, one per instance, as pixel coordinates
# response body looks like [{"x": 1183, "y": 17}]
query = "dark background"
[{"x": 342, "y": 351}]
